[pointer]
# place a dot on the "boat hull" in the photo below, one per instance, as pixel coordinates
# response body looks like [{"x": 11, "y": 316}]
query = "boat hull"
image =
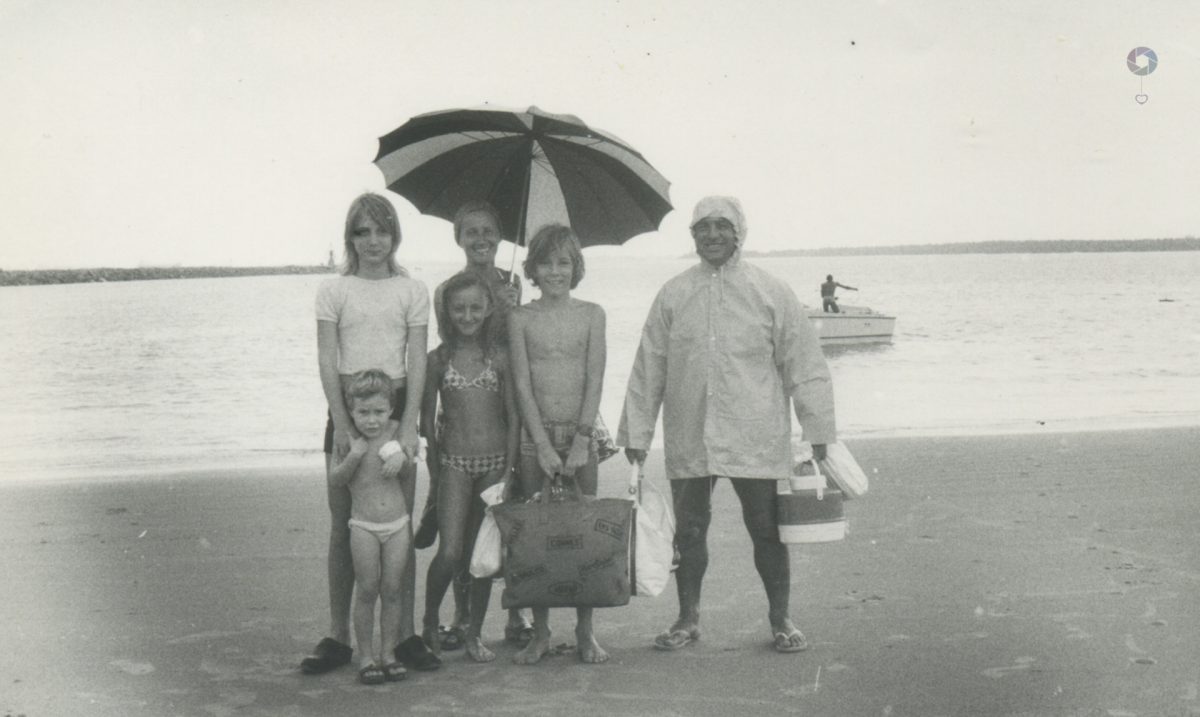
[{"x": 853, "y": 325}]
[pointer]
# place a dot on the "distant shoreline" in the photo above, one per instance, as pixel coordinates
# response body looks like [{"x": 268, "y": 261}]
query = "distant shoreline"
[
  {"x": 83, "y": 276},
  {"x": 1059, "y": 246},
  {"x": 1053, "y": 246}
]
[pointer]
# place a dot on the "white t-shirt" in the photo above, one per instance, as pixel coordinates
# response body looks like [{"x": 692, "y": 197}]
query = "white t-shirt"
[{"x": 373, "y": 318}]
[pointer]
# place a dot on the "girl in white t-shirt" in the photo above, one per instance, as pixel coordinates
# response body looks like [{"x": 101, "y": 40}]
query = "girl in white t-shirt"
[{"x": 372, "y": 316}]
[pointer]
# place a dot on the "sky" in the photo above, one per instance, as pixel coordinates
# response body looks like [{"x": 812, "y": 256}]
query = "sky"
[{"x": 165, "y": 132}]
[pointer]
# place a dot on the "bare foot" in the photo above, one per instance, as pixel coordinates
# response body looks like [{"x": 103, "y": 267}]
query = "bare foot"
[
  {"x": 590, "y": 651},
  {"x": 477, "y": 651},
  {"x": 534, "y": 651}
]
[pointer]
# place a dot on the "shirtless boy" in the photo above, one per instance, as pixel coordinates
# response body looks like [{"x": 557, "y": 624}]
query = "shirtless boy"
[
  {"x": 558, "y": 353},
  {"x": 380, "y": 530}
]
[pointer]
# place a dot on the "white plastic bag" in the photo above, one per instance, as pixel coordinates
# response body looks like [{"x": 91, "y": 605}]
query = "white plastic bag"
[
  {"x": 655, "y": 541},
  {"x": 487, "y": 556},
  {"x": 841, "y": 467}
]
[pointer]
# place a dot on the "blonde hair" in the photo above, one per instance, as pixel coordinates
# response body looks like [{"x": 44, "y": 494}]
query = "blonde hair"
[
  {"x": 379, "y": 210},
  {"x": 492, "y": 328},
  {"x": 547, "y": 240},
  {"x": 472, "y": 206},
  {"x": 366, "y": 384}
]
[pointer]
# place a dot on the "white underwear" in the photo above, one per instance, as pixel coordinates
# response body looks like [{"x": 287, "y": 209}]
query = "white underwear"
[{"x": 382, "y": 531}]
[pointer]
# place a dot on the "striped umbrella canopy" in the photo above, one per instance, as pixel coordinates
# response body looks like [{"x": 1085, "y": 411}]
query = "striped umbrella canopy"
[{"x": 533, "y": 166}]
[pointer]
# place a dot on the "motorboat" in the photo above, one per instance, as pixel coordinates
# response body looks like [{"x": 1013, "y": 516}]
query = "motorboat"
[{"x": 852, "y": 325}]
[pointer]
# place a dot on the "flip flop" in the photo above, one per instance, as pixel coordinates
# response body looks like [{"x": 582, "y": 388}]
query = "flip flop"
[
  {"x": 416, "y": 655},
  {"x": 394, "y": 672},
  {"x": 328, "y": 655},
  {"x": 676, "y": 639},
  {"x": 519, "y": 635},
  {"x": 784, "y": 641},
  {"x": 371, "y": 675},
  {"x": 452, "y": 638}
]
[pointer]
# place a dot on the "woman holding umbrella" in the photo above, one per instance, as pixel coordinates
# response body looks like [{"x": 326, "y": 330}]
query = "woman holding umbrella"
[{"x": 477, "y": 231}]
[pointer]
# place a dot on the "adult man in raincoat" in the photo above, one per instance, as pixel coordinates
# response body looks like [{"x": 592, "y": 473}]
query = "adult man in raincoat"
[{"x": 725, "y": 349}]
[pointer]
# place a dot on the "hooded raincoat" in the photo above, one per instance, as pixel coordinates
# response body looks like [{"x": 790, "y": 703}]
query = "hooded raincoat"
[{"x": 724, "y": 352}]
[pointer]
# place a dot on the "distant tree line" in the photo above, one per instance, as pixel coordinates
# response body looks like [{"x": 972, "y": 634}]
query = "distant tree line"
[
  {"x": 1002, "y": 247},
  {"x": 78, "y": 276}
]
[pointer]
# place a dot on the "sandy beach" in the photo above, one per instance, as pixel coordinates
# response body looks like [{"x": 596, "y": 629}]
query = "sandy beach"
[{"x": 1054, "y": 574}]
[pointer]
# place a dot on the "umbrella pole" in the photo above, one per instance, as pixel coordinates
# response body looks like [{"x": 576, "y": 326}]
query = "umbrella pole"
[{"x": 512, "y": 263}]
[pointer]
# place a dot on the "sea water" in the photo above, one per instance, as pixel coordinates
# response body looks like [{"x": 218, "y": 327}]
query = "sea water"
[{"x": 114, "y": 379}]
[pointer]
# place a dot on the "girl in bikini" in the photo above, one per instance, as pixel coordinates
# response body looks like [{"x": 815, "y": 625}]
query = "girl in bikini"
[
  {"x": 477, "y": 231},
  {"x": 474, "y": 449}
]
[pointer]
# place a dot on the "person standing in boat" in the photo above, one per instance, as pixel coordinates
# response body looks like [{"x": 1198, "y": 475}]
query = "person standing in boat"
[
  {"x": 828, "y": 289},
  {"x": 726, "y": 352}
]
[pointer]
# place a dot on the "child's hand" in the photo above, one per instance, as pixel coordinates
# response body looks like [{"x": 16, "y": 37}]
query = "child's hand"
[
  {"x": 578, "y": 456},
  {"x": 358, "y": 447},
  {"x": 393, "y": 465},
  {"x": 549, "y": 460}
]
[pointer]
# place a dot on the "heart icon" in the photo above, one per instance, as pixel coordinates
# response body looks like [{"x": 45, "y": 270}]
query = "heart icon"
[{"x": 1142, "y": 99}]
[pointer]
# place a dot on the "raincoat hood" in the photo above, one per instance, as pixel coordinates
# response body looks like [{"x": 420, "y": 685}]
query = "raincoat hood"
[
  {"x": 724, "y": 208},
  {"x": 720, "y": 207}
]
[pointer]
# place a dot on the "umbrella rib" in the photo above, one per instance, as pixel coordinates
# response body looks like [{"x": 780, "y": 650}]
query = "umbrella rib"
[
  {"x": 539, "y": 158},
  {"x": 485, "y": 135}
]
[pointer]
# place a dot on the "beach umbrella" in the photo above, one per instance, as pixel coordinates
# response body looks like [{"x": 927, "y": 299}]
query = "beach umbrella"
[{"x": 533, "y": 166}]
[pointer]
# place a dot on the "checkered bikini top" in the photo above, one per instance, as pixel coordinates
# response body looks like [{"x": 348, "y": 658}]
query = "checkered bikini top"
[{"x": 455, "y": 381}]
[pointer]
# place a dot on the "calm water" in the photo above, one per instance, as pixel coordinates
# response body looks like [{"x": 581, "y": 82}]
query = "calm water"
[{"x": 126, "y": 378}]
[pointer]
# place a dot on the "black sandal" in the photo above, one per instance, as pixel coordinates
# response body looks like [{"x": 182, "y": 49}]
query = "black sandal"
[
  {"x": 519, "y": 635},
  {"x": 329, "y": 655},
  {"x": 372, "y": 674},
  {"x": 452, "y": 638},
  {"x": 416, "y": 655}
]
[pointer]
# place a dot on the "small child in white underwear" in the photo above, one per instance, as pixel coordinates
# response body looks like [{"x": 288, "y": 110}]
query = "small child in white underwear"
[{"x": 380, "y": 530}]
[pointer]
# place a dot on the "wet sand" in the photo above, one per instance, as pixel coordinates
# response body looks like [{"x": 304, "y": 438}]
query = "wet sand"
[{"x": 1056, "y": 574}]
